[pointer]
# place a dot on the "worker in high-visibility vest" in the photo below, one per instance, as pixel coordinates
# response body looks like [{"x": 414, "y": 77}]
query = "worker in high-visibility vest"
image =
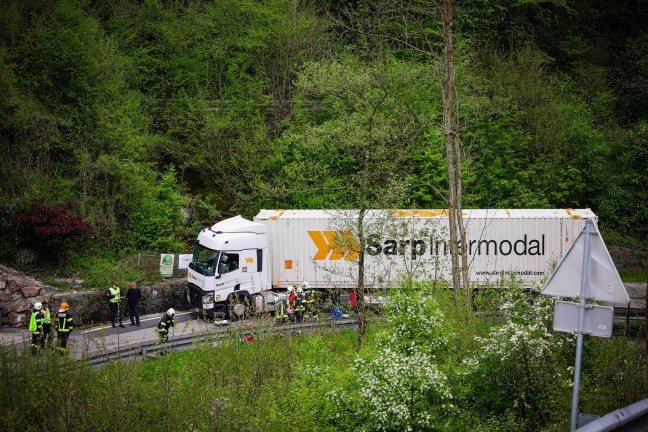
[
  {"x": 36, "y": 328},
  {"x": 64, "y": 326},
  {"x": 47, "y": 324},
  {"x": 114, "y": 300}
]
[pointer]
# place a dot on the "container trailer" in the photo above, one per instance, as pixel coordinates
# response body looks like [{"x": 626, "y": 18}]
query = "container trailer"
[{"x": 239, "y": 266}]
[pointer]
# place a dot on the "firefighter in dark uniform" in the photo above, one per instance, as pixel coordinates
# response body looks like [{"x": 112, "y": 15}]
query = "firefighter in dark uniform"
[
  {"x": 309, "y": 301},
  {"x": 164, "y": 326},
  {"x": 36, "y": 328},
  {"x": 299, "y": 305},
  {"x": 64, "y": 326}
]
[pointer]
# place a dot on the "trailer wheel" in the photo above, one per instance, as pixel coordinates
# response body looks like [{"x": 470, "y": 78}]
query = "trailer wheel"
[{"x": 238, "y": 307}]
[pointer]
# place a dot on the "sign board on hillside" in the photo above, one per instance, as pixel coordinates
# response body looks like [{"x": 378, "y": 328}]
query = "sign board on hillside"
[
  {"x": 598, "y": 319},
  {"x": 166, "y": 265},
  {"x": 184, "y": 260},
  {"x": 603, "y": 281}
]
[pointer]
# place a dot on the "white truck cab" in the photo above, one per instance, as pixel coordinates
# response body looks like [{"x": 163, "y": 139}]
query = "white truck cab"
[{"x": 230, "y": 265}]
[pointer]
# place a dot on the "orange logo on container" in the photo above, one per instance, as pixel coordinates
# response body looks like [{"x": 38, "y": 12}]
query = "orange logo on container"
[
  {"x": 335, "y": 245},
  {"x": 249, "y": 260}
]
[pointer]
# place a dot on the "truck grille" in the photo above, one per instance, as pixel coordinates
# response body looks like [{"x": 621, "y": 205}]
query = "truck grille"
[{"x": 195, "y": 295}]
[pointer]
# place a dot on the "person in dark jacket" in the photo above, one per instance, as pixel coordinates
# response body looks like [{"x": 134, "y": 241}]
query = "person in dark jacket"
[
  {"x": 64, "y": 326},
  {"x": 133, "y": 296}
]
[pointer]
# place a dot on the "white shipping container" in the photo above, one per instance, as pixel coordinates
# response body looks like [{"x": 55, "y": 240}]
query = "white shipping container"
[{"x": 321, "y": 246}]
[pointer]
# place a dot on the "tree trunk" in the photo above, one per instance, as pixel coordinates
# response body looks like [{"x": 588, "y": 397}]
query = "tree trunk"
[
  {"x": 465, "y": 256},
  {"x": 360, "y": 302},
  {"x": 451, "y": 147}
]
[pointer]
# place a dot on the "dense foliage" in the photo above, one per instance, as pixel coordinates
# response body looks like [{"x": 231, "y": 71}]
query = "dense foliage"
[
  {"x": 430, "y": 365},
  {"x": 49, "y": 228},
  {"x": 154, "y": 116}
]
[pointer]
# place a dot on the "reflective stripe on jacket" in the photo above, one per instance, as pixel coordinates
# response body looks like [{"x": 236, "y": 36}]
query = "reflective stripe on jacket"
[
  {"x": 64, "y": 321},
  {"x": 165, "y": 323},
  {"x": 115, "y": 295},
  {"x": 280, "y": 310},
  {"x": 36, "y": 322}
]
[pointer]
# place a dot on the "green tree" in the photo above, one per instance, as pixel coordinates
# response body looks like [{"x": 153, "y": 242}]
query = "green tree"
[
  {"x": 536, "y": 144},
  {"x": 357, "y": 148}
]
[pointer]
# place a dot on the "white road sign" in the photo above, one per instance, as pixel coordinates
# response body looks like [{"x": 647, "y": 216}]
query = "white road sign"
[
  {"x": 598, "y": 319},
  {"x": 603, "y": 280}
]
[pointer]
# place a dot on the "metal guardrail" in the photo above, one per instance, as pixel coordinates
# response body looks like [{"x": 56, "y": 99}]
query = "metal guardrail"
[
  {"x": 629, "y": 313},
  {"x": 633, "y": 418},
  {"x": 237, "y": 330}
]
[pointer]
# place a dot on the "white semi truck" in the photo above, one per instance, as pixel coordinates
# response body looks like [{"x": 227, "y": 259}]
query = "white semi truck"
[{"x": 239, "y": 266}]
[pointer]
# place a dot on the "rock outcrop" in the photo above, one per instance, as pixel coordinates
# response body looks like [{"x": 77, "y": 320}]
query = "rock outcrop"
[{"x": 18, "y": 294}]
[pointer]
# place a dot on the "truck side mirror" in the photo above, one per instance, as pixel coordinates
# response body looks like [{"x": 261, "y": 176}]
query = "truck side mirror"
[{"x": 221, "y": 268}]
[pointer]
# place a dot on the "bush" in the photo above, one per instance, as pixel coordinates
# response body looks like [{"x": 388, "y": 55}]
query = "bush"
[
  {"x": 520, "y": 368},
  {"x": 50, "y": 228},
  {"x": 615, "y": 374},
  {"x": 403, "y": 385},
  {"x": 101, "y": 272}
]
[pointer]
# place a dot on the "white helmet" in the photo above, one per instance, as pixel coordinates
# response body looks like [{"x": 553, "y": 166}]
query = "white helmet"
[
  {"x": 171, "y": 312},
  {"x": 305, "y": 285},
  {"x": 38, "y": 306},
  {"x": 299, "y": 290},
  {"x": 291, "y": 288}
]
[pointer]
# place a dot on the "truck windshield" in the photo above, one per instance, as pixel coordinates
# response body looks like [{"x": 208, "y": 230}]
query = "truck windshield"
[{"x": 204, "y": 260}]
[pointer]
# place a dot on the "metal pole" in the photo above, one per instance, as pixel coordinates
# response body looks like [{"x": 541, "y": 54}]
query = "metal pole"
[{"x": 581, "y": 322}]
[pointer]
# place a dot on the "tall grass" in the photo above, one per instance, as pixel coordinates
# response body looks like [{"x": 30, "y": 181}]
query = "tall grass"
[
  {"x": 295, "y": 382},
  {"x": 268, "y": 384}
]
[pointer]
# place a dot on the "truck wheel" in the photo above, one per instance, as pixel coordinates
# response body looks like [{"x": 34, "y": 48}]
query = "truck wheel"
[{"x": 238, "y": 307}]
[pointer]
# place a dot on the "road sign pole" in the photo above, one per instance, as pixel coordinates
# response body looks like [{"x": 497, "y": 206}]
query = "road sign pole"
[{"x": 581, "y": 323}]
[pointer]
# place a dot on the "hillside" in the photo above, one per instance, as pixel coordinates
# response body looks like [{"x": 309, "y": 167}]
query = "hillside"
[{"x": 127, "y": 126}]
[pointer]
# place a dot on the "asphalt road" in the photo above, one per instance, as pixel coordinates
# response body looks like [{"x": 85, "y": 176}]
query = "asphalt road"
[
  {"x": 106, "y": 339},
  {"x": 146, "y": 322}
]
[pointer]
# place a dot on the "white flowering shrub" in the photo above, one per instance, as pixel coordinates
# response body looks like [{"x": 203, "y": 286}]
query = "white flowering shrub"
[
  {"x": 400, "y": 391},
  {"x": 402, "y": 385},
  {"x": 415, "y": 321},
  {"x": 521, "y": 367}
]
